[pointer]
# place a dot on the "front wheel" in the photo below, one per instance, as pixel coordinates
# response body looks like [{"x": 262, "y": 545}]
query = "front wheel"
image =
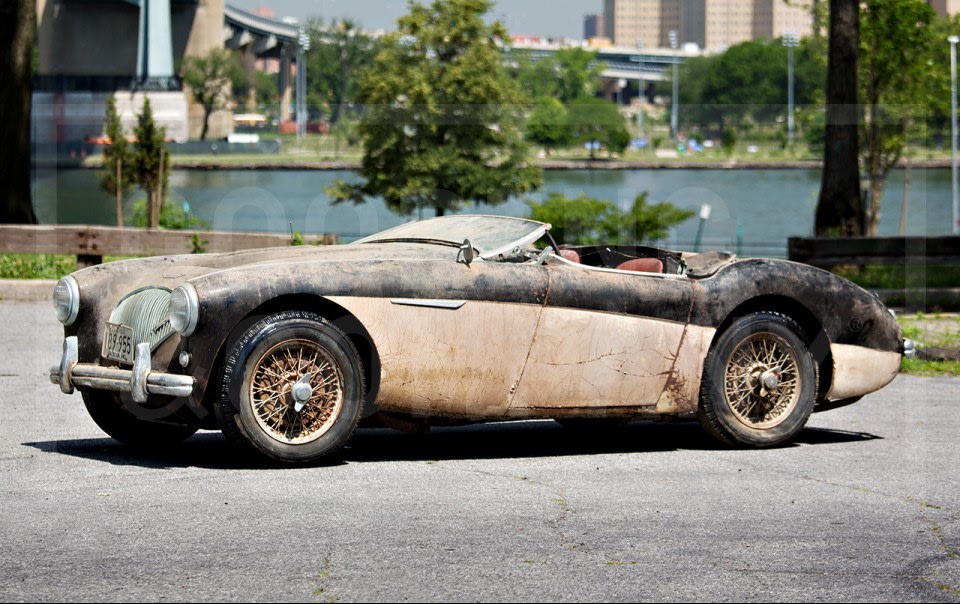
[
  {"x": 759, "y": 382},
  {"x": 292, "y": 388}
]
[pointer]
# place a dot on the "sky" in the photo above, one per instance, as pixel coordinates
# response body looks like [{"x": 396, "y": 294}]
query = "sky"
[{"x": 549, "y": 18}]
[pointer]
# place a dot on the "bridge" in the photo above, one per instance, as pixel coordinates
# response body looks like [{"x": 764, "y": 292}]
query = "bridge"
[
  {"x": 634, "y": 65},
  {"x": 92, "y": 48}
]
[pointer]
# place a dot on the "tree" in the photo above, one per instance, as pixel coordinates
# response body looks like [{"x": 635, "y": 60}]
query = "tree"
[
  {"x": 443, "y": 120},
  {"x": 568, "y": 75},
  {"x": 577, "y": 73},
  {"x": 588, "y": 221},
  {"x": 549, "y": 125},
  {"x": 749, "y": 81},
  {"x": 117, "y": 152},
  {"x": 151, "y": 162},
  {"x": 839, "y": 210},
  {"x": 337, "y": 53},
  {"x": 599, "y": 121},
  {"x": 650, "y": 222},
  {"x": 17, "y": 33},
  {"x": 897, "y": 84},
  {"x": 580, "y": 221},
  {"x": 209, "y": 78}
]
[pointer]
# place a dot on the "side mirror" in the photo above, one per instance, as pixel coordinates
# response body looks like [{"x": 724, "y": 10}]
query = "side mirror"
[{"x": 466, "y": 252}]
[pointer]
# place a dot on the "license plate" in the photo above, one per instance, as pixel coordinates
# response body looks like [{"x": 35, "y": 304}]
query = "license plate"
[{"x": 118, "y": 343}]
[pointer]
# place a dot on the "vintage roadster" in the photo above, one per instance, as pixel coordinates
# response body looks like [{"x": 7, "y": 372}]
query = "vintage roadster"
[{"x": 462, "y": 319}]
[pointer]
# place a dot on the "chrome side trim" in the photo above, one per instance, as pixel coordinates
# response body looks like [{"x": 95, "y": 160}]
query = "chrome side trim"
[
  {"x": 139, "y": 382},
  {"x": 429, "y": 303}
]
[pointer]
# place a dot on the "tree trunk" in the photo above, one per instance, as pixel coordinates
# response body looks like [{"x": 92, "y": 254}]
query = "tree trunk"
[
  {"x": 17, "y": 33},
  {"x": 839, "y": 209},
  {"x": 207, "y": 111}
]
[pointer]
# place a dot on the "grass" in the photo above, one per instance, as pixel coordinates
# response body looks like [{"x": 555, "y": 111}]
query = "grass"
[
  {"x": 40, "y": 266},
  {"x": 36, "y": 266},
  {"x": 931, "y": 330}
]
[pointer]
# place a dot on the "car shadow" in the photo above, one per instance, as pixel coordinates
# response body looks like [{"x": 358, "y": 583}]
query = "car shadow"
[{"x": 524, "y": 439}]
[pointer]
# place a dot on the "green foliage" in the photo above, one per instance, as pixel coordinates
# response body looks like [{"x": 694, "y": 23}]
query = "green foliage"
[
  {"x": 749, "y": 79},
  {"x": 209, "y": 78},
  {"x": 172, "y": 217},
  {"x": 577, "y": 74},
  {"x": 549, "y": 125},
  {"x": 728, "y": 140},
  {"x": 568, "y": 75},
  {"x": 197, "y": 245},
  {"x": 337, "y": 53},
  {"x": 443, "y": 120},
  {"x": 36, "y": 266},
  {"x": 117, "y": 151},
  {"x": 579, "y": 221},
  {"x": 586, "y": 221},
  {"x": 898, "y": 83},
  {"x": 152, "y": 172},
  {"x": 599, "y": 120},
  {"x": 296, "y": 238},
  {"x": 650, "y": 222}
]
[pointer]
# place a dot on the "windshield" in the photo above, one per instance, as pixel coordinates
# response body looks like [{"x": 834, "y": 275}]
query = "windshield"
[{"x": 489, "y": 235}]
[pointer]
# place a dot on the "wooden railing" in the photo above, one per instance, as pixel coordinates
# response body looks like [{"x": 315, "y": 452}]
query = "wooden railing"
[
  {"x": 91, "y": 243},
  {"x": 832, "y": 251},
  {"x": 917, "y": 253}
]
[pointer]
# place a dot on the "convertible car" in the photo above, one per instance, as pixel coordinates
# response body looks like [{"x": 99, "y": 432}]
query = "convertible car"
[{"x": 462, "y": 319}]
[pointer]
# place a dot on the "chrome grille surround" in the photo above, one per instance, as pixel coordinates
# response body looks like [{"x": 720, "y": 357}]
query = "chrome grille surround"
[{"x": 145, "y": 311}]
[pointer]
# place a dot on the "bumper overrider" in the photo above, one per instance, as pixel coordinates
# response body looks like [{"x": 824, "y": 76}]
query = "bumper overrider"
[{"x": 140, "y": 381}]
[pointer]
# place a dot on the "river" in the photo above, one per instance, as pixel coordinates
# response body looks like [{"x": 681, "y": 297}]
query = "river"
[{"x": 765, "y": 205}]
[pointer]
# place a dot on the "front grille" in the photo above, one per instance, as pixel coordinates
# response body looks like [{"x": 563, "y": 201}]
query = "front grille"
[{"x": 146, "y": 312}]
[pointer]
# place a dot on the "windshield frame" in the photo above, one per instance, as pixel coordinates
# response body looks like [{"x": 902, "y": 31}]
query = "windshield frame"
[{"x": 410, "y": 233}]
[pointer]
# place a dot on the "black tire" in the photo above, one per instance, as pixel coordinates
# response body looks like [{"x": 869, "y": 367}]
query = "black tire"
[
  {"x": 259, "y": 411},
  {"x": 111, "y": 414},
  {"x": 759, "y": 382}
]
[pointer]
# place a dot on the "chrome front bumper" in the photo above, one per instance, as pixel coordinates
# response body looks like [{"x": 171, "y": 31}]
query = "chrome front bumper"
[{"x": 140, "y": 381}]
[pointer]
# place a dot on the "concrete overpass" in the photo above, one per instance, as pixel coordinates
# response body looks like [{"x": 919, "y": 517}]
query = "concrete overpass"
[
  {"x": 639, "y": 67},
  {"x": 92, "y": 48}
]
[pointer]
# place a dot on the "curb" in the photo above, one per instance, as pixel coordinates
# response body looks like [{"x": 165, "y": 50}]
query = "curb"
[{"x": 26, "y": 290}]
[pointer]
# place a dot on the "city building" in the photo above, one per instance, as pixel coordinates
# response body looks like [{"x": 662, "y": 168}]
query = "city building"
[
  {"x": 593, "y": 26},
  {"x": 713, "y": 25}
]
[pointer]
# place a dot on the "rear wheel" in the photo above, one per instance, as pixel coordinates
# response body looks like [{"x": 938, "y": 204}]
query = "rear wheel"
[
  {"x": 292, "y": 388},
  {"x": 759, "y": 383},
  {"x": 111, "y": 414}
]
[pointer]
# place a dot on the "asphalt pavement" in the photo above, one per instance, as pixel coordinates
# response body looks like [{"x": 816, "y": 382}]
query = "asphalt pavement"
[{"x": 865, "y": 506}]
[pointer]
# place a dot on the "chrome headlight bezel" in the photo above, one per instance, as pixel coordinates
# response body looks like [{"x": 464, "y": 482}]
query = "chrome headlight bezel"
[
  {"x": 66, "y": 300},
  {"x": 184, "y": 309}
]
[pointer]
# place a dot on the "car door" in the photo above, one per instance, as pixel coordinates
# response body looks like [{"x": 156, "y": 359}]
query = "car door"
[
  {"x": 609, "y": 338},
  {"x": 453, "y": 341}
]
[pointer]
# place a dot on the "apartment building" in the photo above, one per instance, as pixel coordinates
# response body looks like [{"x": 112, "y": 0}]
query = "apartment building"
[{"x": 710, "y": 24}]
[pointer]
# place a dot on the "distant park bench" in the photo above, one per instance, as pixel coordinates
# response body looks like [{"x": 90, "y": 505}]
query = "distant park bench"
[
  {"x": 915, "y": 253},
  {"x": 91, "y": 243}
]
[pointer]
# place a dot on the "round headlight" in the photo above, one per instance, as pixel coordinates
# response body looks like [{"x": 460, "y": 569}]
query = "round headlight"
[
  {"x": 66, "y": 300},
  {"x": 184, "y": 309}
]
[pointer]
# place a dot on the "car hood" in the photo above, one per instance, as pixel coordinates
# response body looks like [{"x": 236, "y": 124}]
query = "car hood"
[{"x": 115, "y": 279}]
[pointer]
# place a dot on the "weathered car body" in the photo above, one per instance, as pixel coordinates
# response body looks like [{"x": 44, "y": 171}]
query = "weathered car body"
[{"x": 518, "y": 333}]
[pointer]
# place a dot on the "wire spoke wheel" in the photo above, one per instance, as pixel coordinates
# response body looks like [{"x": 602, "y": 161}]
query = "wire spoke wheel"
[
  {"x": 293, "y": 388},
  {"x": 761, "y": 380},
  {"x": 296, "y": 392}
]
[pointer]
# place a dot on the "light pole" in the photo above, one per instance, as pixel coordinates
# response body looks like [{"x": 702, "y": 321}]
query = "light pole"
[
  {"x": 672, "y": 36},
  {"x": 953, "y": 130},
  {"x": 790, "y": 41},
  {"x": 302, "y": 47},
  {"x": 640, "y": 83}
]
